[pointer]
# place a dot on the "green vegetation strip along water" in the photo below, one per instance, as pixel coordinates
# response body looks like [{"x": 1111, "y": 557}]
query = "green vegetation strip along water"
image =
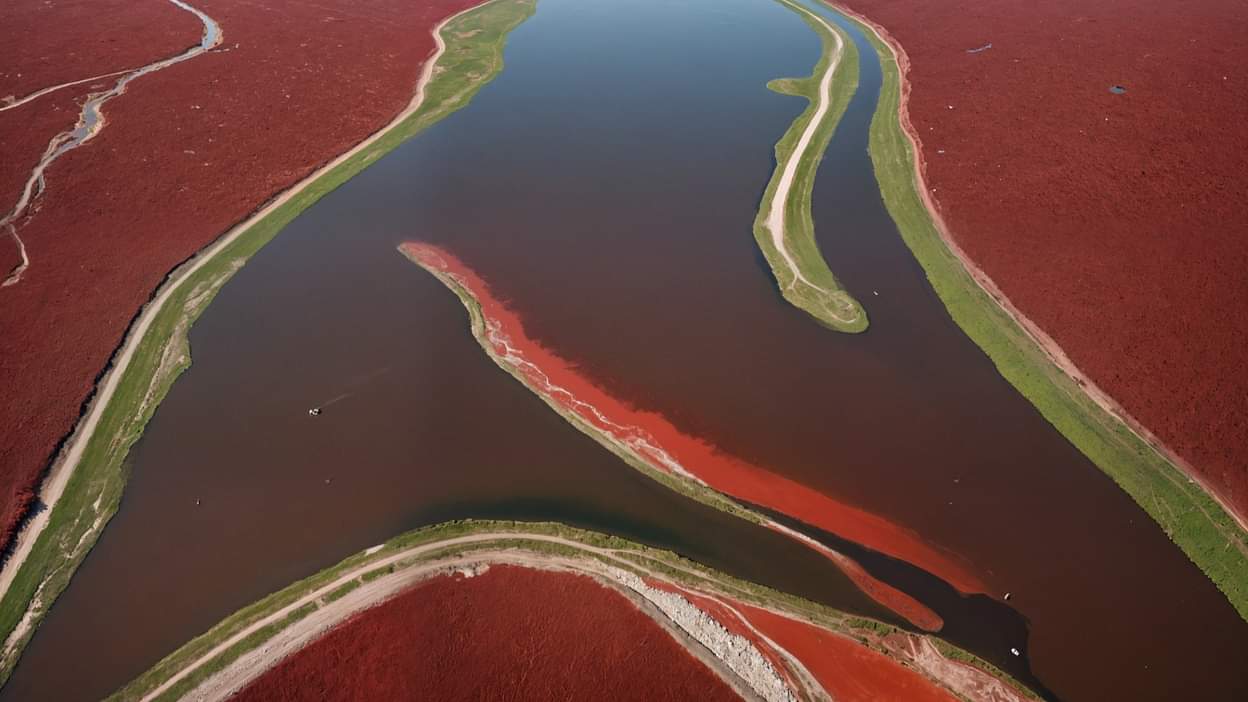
[
  {"x": 473, "y": 56},
  {"x": 1190, "y": 517},
  {"x": 193, "y": 662},
  {"x": 800, "y": 269}
]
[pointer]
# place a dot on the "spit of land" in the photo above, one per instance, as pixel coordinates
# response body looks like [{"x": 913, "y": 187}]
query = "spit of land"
[{"x": 1113, "y": 220}]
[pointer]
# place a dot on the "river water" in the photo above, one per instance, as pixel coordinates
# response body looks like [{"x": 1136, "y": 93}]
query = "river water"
[{"x": 606, "y": 184}]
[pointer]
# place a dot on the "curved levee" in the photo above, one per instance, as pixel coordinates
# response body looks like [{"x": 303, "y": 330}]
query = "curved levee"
[
  {"x": 84, "y": 486},
  {"x": 784, "y": 227},
  {"x": 738, "y": 623},
  {"x": 90, "y": 123}
]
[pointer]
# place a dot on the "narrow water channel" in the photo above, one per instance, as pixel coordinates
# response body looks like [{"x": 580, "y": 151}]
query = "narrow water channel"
[{"x": 606, "y": 184}]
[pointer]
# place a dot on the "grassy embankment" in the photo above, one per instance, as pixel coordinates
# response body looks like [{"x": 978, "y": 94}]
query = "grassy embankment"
[
  {"x": 1193, "y": 520},
  {"x": 472, "y": 58},
  {"x": 828, "y": 302},
  {"x": 623, "y": 553}
]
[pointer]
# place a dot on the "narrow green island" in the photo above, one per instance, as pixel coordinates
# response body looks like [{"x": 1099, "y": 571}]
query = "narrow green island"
[
  {"x": 156, "y": 350},
  {"x": 784, "y": 227},
  {"x": 1190, "y": 517}
]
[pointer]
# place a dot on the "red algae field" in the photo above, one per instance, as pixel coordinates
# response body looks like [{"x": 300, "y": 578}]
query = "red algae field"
[
  {"x": 188, "y": 151},
  {"x": 509, "y": 633},
  {"x": 1114, "y": 221},
  {"x": 664, "y": 448},
  {"x": 845, "y": 668}
]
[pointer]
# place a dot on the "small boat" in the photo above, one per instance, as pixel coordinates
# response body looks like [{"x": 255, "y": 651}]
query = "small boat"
[{"x": 314, "y": 412}]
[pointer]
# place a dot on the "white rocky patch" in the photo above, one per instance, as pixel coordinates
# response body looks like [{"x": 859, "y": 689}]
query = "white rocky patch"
[{"x": 737, "y": 652}]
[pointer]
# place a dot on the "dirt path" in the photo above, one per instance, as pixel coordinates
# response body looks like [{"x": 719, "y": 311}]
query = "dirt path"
[
  {"x": 222, "y": 684},
  {"x": 780, "y": 198},
  {"x": 67, "y": 462}
]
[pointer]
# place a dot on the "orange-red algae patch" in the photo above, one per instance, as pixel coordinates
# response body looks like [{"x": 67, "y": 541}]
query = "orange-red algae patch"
[{"x": 655, "y": 440}]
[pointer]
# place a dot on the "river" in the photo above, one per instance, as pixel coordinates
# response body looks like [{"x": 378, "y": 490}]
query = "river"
[{"x": 605, "y": 184}]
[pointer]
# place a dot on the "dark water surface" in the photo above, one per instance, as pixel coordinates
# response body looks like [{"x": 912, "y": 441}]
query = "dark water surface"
[{"x": 606, "y": 184}]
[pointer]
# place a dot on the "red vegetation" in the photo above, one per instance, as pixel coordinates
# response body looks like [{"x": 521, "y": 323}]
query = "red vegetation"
[
  {"x": 735, "y": 624},
  {"x": 511, "y": 633},
  {"x": 1117, "y": 223},
  {"x": 188, "y": 152},
  {"x": 667, "y": 449},
  {"x": 69, "y": 40},
  {"x": 846, "y": 669}
]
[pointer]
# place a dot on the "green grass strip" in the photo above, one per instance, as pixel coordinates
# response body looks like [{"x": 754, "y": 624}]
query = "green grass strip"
[
  {"x": 473, "y": 57},
  {"x": 1192, "y": 519},
  {"x": 816, "y": 291}
]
